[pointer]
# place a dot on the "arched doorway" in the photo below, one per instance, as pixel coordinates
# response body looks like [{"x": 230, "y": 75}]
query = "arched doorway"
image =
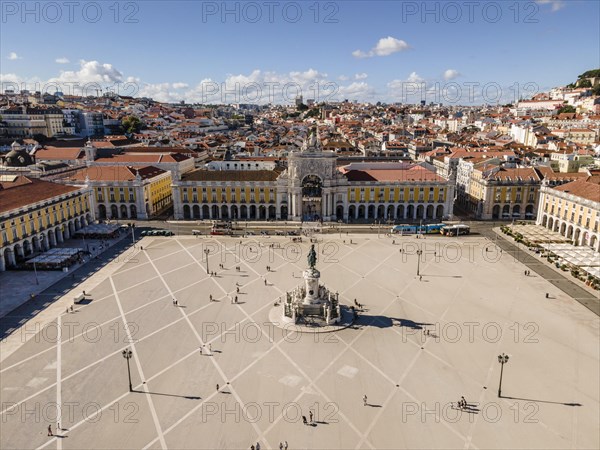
[
  {"x": 243, "y": 212},
  {"x": 224, "y": 212},
  {"x": 133, "y": 212},
  {"x": 400, "y": 212},
  {"x": 429, "y": 212},
  {"x": 381, "y": 212},
  {"x": 410, "y": 212},
  {"x": 272, "y": 212},
  {"x": 496, "y": 212},
  {"x": 371, "y": 212},
  {"x": 516, "y": 211},
  {"x": 262, "y": 212},
  {"x": 196, "y": 212},
  {"x": 390, "y": 212},
  {"x": 123, "y": 212},
  {"x": 215, "y": 212},
  {"x": 550, "y": 223},
  {"x": 544, "y": 220},
  {"x": 252, "y": 212},
  {"x": 114, "y": 212},
  {"x": 284, "y": 212},
  {"x": 27, "y": 248},
  {"x": 362, "y": 213},
  {"x": 352, "y": 212},
  {"x": 205, "y": 212},
  {"x": 506, "y": 212},
  {"x": 420, "y": 211},
  {"x": 234, "y": 212},
  {"x": 439, "y": 213},
  {"x": 339, "y": 212},
  {"x": 529, "y": 212},
  {"x": 576, "y": 236},
  {"x": 186, "y": 212},
  {"x": 101, "y": 212},
  {"x": 312, "y": 191}
]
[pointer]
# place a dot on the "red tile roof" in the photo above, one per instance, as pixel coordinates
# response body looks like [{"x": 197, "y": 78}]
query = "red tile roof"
[{"x": 24, "y": 191}]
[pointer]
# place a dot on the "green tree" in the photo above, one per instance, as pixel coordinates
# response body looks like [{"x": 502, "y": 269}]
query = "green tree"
[
  {"x": 566, "y": 109},
  {"x": 131, "y": 124},
  {"x": 585, "y": 83}
]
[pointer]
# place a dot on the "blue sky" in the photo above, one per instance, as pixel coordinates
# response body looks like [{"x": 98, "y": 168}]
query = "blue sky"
[{"x": 365, "y": 50}]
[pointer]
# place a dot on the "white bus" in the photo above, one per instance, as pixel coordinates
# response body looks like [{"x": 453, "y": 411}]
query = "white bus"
[{"x": 455, "y": 230}]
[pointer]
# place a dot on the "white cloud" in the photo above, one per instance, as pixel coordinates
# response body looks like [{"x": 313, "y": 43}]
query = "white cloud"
[
  {"x": 343, "y": 78},
  {"x": 91, "y": 72},
  {"x": 384, "y": 47},
  {"x": 13, "y": 56},
  {"x": 414, "y": 77},
  {"x": 451, "y": 74},
  {"x": 556, "y": 4},
  {"x": 62, "y": 61},
  {"x": 180, "y": 85},
  {"x": 360, "y": 76}
]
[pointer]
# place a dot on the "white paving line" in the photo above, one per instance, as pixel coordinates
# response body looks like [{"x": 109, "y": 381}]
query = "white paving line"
[
  {"x": 213, "y": 360},
  {"x": 139, "y": 366},
  {"x": 59, "y": 380}
]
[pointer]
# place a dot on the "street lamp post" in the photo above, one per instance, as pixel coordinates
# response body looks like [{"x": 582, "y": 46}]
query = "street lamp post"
[
  {"x": 132, "y": 227},
  {"x": 419, "y": 253},
  {"x": 502, "y": 359},
  {"x": 206, "y": 252},
  {"x": 127, "y": 354}
]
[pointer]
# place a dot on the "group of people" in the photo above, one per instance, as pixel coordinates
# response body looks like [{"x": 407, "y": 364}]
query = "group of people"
[
  {"x": 358, "y": 305},
  {"x": 282, "y": 446},
  {"x": 310, "y": 420},
  {"x": 462, "y": 403}
]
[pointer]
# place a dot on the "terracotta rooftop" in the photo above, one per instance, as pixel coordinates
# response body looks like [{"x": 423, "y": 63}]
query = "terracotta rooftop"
[
  {"x": 115, "y": 173},
  {"x": 588, "y": 188},
  {"x": 416, "y": 173},
  {"x": 23, "y": 191},
  {"x": 231, "y": 175}
]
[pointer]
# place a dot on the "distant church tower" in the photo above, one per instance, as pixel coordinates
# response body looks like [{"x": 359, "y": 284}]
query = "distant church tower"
[{"x": 90, "y": 152}]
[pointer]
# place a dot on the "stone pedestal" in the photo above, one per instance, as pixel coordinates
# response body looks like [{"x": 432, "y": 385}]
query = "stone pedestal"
[{"x": 311, "y": 282}]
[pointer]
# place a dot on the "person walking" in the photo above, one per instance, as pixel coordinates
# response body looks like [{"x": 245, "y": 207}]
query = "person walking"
[
  {"x": 280, "y": 446},
  {"x": 258, "y": 446},
  {"x": 217, "y": 387},
  {"x": 200, "y": 351},
  {"x": 365, "y": 400},
  {"x": 209, "y": 348},
  {"x": 285, "y": 445},
  {"x": 304, "y": 420},
  {"x": 50, "y": 430},
  {"x": 310, "y": 416}
]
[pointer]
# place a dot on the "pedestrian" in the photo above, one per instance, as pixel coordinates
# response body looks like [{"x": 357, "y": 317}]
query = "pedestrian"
[
  {"x": 217, "y": 387},
  {"x": 365, "y": 400},
  {"x": 265, "y": 281},
  {"x": 236, "y": 299},
  {"x": 304, "y": 420},
  {"x": 258, "y": 446},
  {"x": 547, "y": 295},
  {"x": 280, "y": 446},
  {"x": 252, "y": 447},
  {"x": 285, "y": 446},
  {"x": 210, "y": 296},
  {"x": 176, "y": 303},
  {"x": 209, "y": 348},
  {"x": 71, "y": 308},
  {"x": 50, "y": 430},
  {"x": 84, "y": 293},
  {"x": 237, "y": 290},
  {"x": 420, "y": 277},
  {"x": 200, "y": 351},
  {"x": 310, "y": 416},
  {"x": 141, "y": 248},
  {"x": 67, "y": 310}
]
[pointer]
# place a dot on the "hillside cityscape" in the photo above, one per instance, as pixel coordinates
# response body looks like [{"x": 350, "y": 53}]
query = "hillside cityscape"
[{"x": 299, "y": 225}]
